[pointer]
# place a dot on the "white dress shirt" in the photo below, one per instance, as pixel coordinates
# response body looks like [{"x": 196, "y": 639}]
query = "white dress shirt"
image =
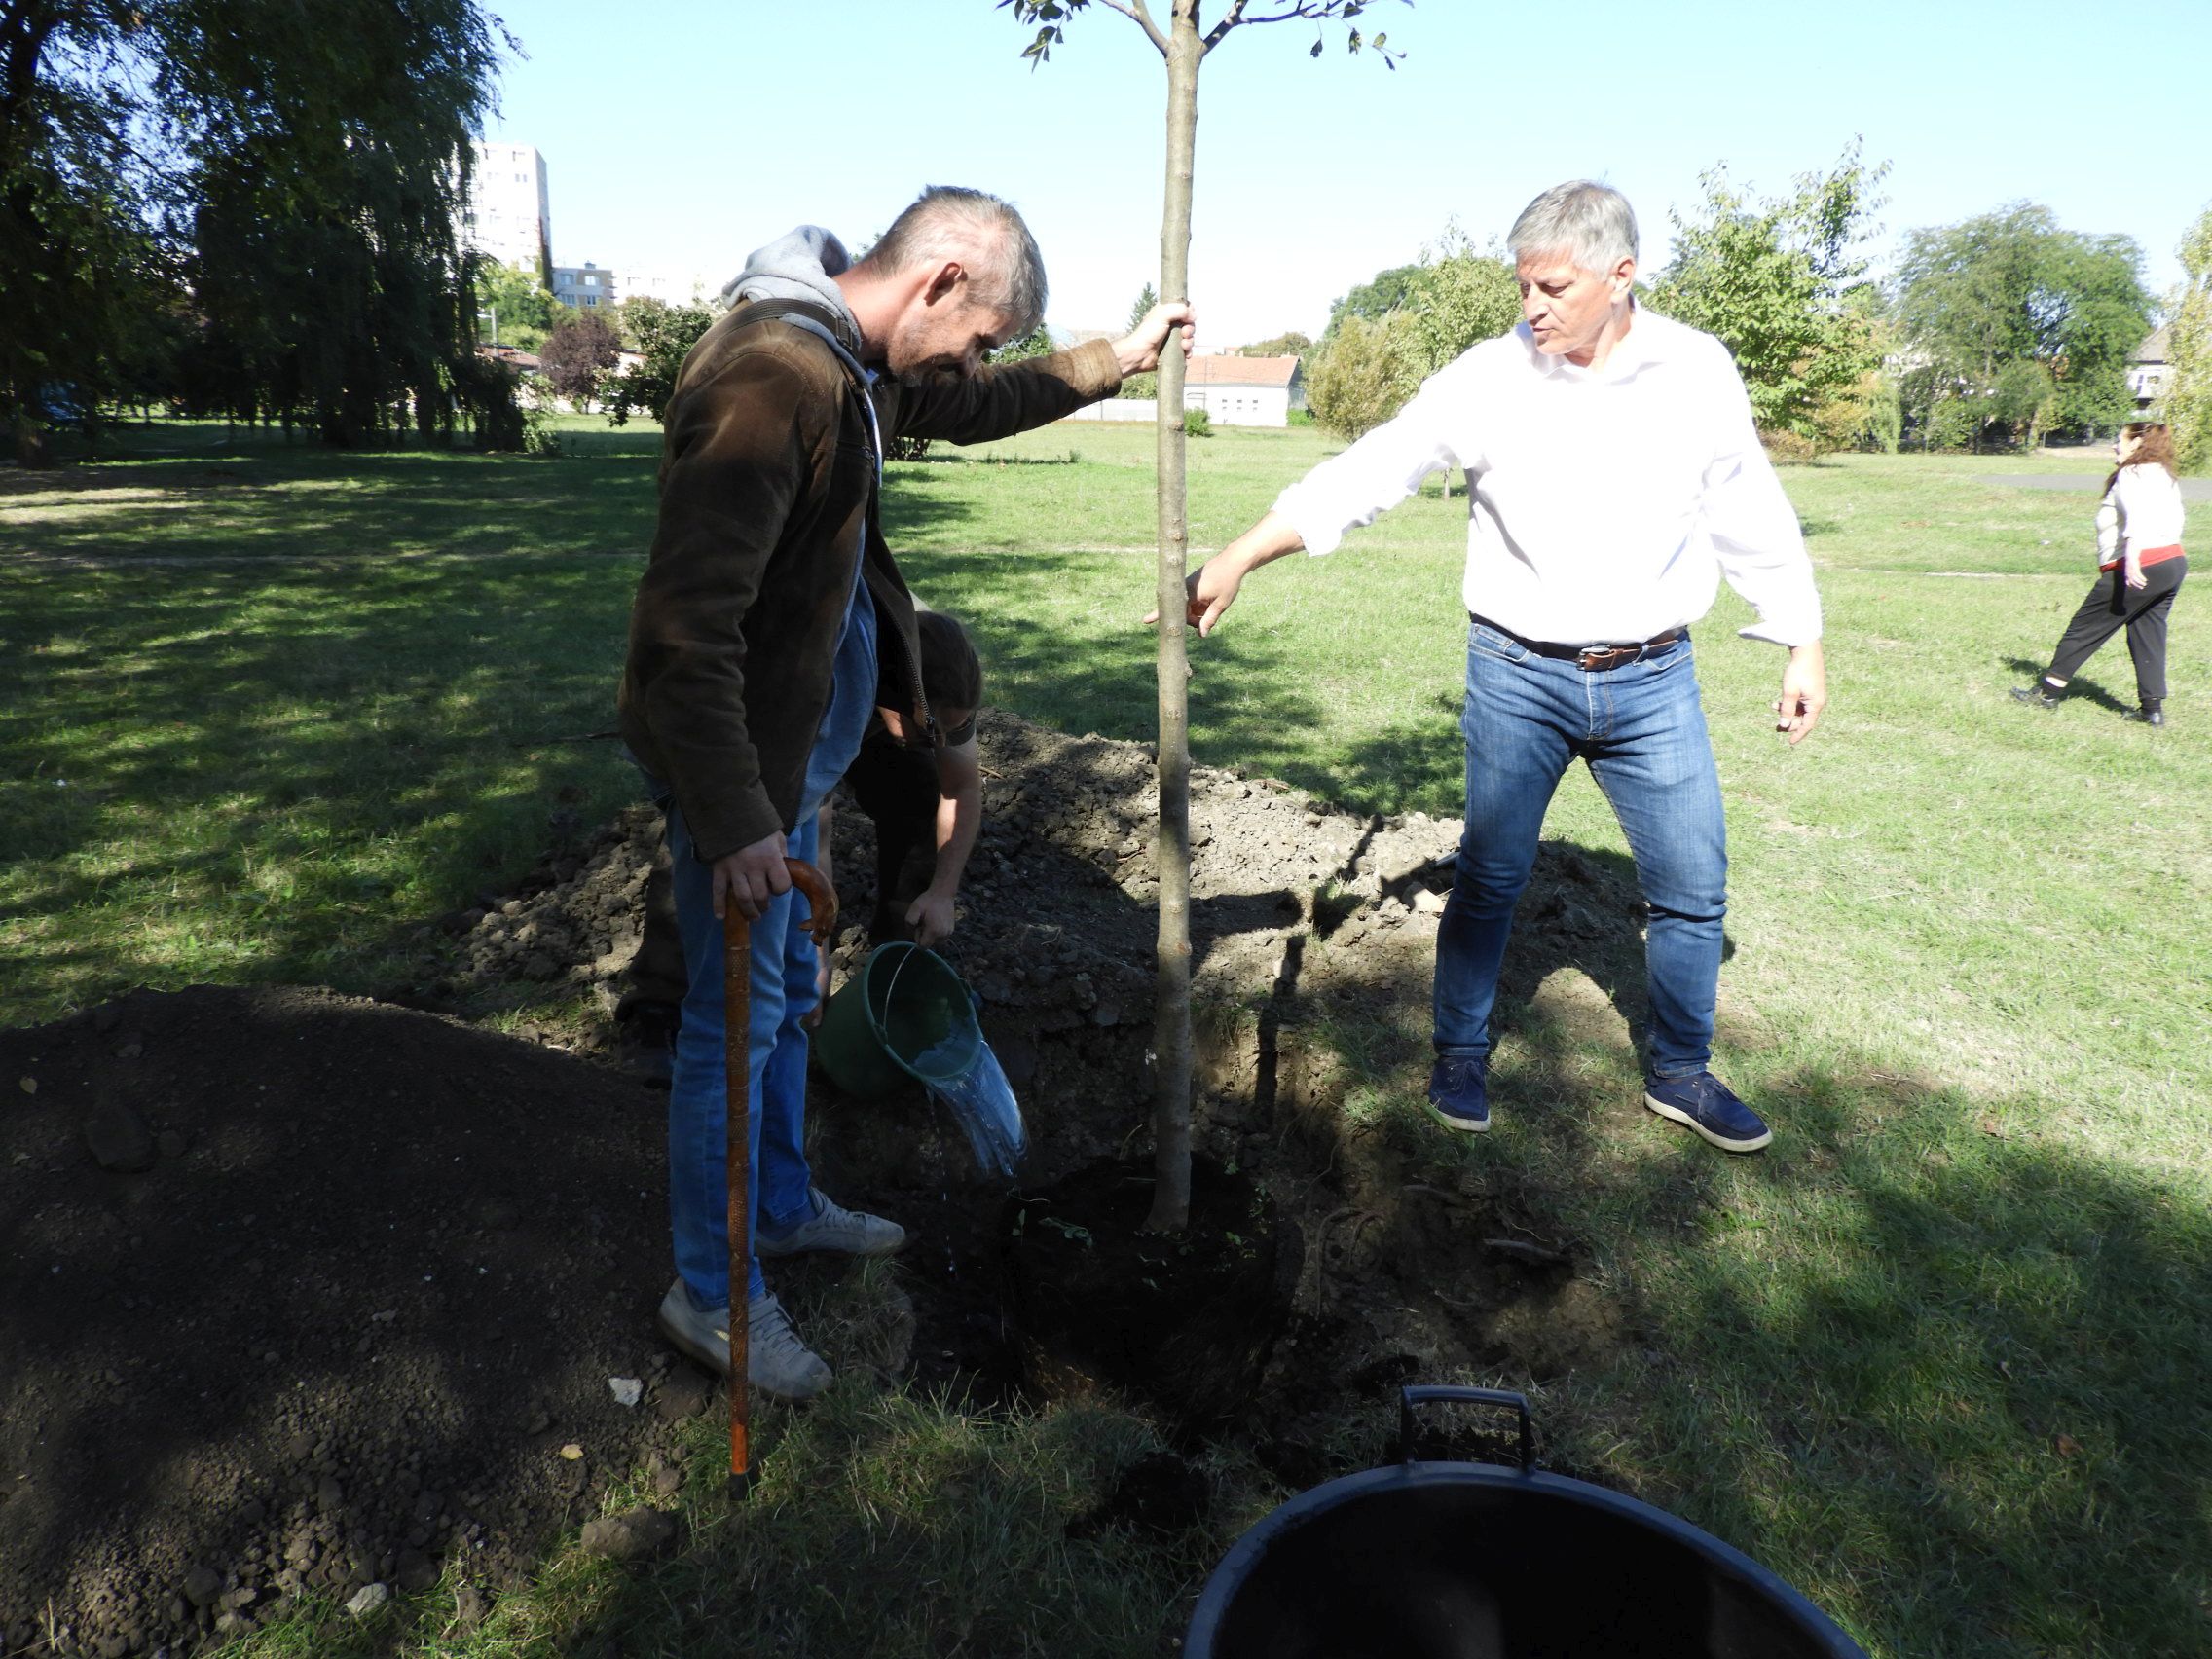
[{"x": 1605, "y": 504}]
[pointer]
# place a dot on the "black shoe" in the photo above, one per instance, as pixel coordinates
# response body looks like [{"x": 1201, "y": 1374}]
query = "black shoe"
[
  {"x": 2035, "y": 696},
  {"x": 645, "y": 1045},
  {"x": 2147, "y": 717}
]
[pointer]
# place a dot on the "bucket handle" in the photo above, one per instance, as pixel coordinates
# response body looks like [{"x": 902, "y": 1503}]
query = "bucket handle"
[{"x": 1437, "y": 1393}]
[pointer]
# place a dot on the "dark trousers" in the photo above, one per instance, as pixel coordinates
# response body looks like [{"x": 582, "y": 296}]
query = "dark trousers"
[
  {"x": 2111, "y": 606},
  {"x": 894, "y": 785},
  {"x": 897, "y": 788}
]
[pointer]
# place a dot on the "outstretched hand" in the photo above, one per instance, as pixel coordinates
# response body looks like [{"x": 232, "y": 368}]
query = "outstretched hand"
[{"x": 1139, "y": 351}]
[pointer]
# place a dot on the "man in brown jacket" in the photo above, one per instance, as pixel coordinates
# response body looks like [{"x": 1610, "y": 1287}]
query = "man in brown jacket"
[{"x": 771, "y": 621}]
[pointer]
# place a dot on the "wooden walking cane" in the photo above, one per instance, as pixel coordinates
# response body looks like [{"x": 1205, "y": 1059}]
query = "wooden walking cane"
[{"x": 737, "y": 1065}]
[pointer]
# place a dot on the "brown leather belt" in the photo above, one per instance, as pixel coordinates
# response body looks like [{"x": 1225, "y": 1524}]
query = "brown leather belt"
[{"x": 1595, "y": 658}]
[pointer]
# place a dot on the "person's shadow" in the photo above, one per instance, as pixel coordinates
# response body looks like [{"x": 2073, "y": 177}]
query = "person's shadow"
[{"x": 2080, "y": 686}]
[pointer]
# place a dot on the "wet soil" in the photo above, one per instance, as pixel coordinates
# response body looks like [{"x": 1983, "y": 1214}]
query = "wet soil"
[{"x": 302, "y": 1292}]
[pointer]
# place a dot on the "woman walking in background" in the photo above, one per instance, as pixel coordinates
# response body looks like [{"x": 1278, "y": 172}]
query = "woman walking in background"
[{"x": 2139, "y": 553}]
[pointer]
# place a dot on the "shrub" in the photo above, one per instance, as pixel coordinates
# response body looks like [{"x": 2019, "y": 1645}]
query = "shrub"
[
  {"x": 1355, "y": 379},
  {"x": 1790, "y": 449},
  {"x": 1197, "y": 424}
]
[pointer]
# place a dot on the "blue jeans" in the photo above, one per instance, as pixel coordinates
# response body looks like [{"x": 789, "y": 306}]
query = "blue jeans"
[
  {"x": 1641, "y": 728},
  {"x": 783, "y": 991}
]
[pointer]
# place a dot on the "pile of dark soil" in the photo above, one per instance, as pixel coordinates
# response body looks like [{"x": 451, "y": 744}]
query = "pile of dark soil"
[{"x": 303, "y": 1294}]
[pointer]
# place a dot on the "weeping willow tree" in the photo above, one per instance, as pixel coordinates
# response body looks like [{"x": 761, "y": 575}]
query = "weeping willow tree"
[
  {"x": 1184, "y": 40},
  {"x": 280, "y": 181}
]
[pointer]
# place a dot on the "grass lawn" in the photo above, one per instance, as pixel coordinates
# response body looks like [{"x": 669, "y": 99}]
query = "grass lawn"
[{"x": 1941, "y": 1357}]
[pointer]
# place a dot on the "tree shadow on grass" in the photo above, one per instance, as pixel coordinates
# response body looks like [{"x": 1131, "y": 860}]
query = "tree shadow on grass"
[
  {"x": 1926, "y": 1359},
  {"x": 301, "y": 764}
]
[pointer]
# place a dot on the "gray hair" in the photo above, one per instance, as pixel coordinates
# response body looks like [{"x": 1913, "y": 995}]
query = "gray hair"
[
  {"x": 985, "y": 234},
  {"x": 1591, "y": 224}
]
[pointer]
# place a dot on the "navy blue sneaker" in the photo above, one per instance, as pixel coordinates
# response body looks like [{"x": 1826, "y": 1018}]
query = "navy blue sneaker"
[
  {"x": 1459, "y": 1093},
  {"x": 1709, "y": 1107}
]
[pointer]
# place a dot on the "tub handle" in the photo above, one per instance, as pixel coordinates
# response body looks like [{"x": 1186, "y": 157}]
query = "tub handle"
[{"x": 1427, "y": 1394}]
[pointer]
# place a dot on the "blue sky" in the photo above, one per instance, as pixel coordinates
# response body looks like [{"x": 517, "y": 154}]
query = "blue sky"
[{"x": 683, "y": 134}]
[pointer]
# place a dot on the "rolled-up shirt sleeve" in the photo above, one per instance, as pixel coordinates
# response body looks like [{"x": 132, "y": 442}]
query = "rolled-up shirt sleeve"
[
  {"x": 1376, "y": 474},
  {"x": 1753, "y": 529}
]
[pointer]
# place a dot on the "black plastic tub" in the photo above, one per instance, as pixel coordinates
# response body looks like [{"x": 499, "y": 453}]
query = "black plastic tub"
[{"x": 1473, "y": 1561}]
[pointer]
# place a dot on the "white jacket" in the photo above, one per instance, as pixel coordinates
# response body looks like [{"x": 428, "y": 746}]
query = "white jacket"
[{"x": 2141, "y": 511}]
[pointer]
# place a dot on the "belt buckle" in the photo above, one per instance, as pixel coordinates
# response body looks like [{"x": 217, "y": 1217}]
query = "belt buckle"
[{"x": 1599, "y": 657}]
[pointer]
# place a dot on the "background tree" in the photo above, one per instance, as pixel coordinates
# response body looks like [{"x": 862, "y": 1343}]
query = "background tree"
[
  {"x": 1183, "y": 42},
  {"x": 1290, "y": 345},
  {"x": 1372, "y": 300},
  {"x": 516, "y": 306},
  {"x": 295, "y": 169},
  {"x": 2013, "y": 326},
  {"x": 1456, "y": 299},
  {"x": 2188, "y": 403},
  {"x": 1366, "y": 367},
  {"x": 1781, "y": 285},
  {"x": 663, "y": 335},
  {"x": 580, "y": 348},
  {"x": 1352, "y": 382}
]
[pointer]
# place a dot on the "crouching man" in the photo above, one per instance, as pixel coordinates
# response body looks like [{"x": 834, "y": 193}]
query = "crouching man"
[{"x": 768, "y": 624}]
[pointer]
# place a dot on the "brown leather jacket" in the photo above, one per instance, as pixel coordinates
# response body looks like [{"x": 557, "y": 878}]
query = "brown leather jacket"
[{"x": 766, "y": 493}]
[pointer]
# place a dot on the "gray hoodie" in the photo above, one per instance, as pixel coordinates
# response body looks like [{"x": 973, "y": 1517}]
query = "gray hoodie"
[{"x": 798, "y": 266}]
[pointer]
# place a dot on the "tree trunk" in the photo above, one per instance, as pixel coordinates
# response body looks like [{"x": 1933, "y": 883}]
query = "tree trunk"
[{"x": 1171, "y": 1022}]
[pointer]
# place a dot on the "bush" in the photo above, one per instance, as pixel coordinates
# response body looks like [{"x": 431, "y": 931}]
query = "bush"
[
  {"x": 1197, "y": 424},
  {"x": 1790, "y": 449},
  {"x": 1299, "y": 418},
  {"x": 1354, "y": 381}
]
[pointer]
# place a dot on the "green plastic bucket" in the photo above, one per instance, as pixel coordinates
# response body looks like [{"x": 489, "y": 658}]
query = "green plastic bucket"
[{"x": 906, "y": 1013}]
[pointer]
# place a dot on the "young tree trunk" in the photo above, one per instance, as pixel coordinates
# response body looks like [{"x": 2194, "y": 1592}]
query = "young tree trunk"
[{"x": 1171, "y": 1026}]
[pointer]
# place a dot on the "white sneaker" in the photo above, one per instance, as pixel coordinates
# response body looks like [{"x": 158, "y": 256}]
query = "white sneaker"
[
  {"x": 834, "y": 1227},
  {"x": 776, "y": 1361}
]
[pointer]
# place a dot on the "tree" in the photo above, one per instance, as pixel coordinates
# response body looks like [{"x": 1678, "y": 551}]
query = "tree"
[
  {"x": 1183, "y": 43},
  {"x": 1367, "y": 367},
  {"x": 1290, "y": 345},
  {"x": 1374, "y": 300},
  {"x": 1353, "y": 383},
  {"x": 1456, "y": 299},
  {"x": 583, "y": 345},
  {"x": 1781, "y": 284},
  {"x": 663, "y": 335},
  {"x": 2013, "y": 325},
  {"x": 1142, "y": 308},
  {"x": 2188, "y": 403},
  {"x": 296, "y": 168},
  {"x": 515, "y": 306}
]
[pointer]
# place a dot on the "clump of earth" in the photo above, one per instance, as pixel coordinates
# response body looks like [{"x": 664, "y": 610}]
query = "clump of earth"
[{"x": 308, "y": 1293}]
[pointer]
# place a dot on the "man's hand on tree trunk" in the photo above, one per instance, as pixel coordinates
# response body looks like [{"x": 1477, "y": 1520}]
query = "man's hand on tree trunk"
[{"x": 1138, "y": 350}]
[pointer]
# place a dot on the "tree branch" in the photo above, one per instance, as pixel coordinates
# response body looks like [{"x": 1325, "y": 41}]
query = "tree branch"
[{"x": 1134, "y": 11}]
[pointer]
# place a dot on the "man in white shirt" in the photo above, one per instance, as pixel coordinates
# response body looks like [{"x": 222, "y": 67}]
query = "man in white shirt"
[{"x": 1614, "y": 478}]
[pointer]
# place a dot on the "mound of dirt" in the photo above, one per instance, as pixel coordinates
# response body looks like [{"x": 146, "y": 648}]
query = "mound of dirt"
[{"x": 303, "y": 1294}]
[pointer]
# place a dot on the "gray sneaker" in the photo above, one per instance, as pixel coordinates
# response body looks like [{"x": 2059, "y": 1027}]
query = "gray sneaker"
[
  {"x": 776, "y": 1361},
  {"x": 834, "y": 1227}
]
